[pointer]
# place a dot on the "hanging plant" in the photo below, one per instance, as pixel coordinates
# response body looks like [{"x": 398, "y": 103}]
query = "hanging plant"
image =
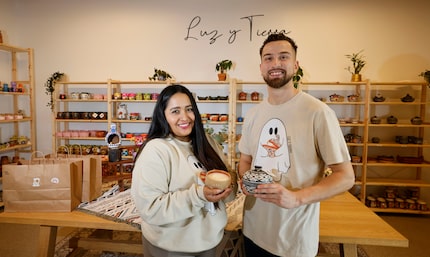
[
  {"x": 297, "y": 77},
  {"x": 50, "y": 87},
  {"x": 426, "y": 75}
]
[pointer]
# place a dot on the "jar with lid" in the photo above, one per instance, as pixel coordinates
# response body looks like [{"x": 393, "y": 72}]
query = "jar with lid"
[
  {"x": 117, "y": 96},
  {"x": 74, "y": 95},
  {"x": 390, "y": 202},
  {"x": 371, "y": 202},
  {"x": 414, "y": 192},
  {"x": 399, "y": 203},
  {"x": 134, "y": 116},
  {"x": 84, "y": 95},
  {"x": 121, "y": 112},
  {"x": 411, "y": 204},
  {"x": 381, "y": 202},
  {"x": 421, "y": 205},
  {"x": 389, "y": 193},
  {"x": 254, "y": 177}
]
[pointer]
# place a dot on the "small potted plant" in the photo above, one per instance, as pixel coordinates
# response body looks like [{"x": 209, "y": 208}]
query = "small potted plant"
[
  {"x": 358, "y": 63},
  {"x": 160, "y": 75},
  {"x": 426, "y": 75},
  {"x": 222, "y": 67}
]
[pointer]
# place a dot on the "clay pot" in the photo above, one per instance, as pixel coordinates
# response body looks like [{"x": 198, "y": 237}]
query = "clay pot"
[
  {"x": 391, "y": 120},
  {"x": 375, "y": 120},
  {"x": 255, "y": 96},
  {"x": 375, "y": 140},
  {"x": 416, "y": 120},
  {"x": 378, "y": 98},
  {"x": 407, "y": 98},
  {"x": 242, "y": 96}
]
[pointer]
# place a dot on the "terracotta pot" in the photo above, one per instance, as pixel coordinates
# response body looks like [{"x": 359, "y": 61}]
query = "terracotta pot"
[
  {"x": 375, "y": 120},
  {"x": 391, "y": 120},
  {"x": 222, "y": 76},
  {"x": 255, "y": 96},
  {"x": 242, "y": 96}
]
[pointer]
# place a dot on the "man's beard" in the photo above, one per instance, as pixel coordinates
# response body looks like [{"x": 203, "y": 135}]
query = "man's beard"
[{"x": 278, "y": 82}]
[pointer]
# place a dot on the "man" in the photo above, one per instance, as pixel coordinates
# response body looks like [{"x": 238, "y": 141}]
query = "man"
[{"x": 294, "y": 137}]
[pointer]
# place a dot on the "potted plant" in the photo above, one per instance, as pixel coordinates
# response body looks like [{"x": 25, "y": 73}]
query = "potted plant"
[
  {"x": 297, "y": 77},
  {"x": 426, "y": 75},
  {"x": 221, "y": 136},
  {"x": 222, "y": 67},
  {"x": 50, "y": 87},
  {"x": 358, "y": 63},
  {"x": 160, "y": 75}
]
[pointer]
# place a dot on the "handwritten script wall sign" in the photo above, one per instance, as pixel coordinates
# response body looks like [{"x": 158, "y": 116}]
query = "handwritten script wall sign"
[{"x": 196, "y": 32}]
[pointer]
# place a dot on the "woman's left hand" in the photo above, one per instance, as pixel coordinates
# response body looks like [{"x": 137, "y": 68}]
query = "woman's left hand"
[{"x": 214, "y": 194}]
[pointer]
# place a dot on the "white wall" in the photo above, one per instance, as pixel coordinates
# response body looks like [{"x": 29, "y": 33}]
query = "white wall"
[{"x": 100, "y": 39}]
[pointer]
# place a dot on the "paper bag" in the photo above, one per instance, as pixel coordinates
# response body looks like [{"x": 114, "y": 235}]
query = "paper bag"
[
  {"x": 92, "y": 173},
  {"x": 42, "y": 186}
]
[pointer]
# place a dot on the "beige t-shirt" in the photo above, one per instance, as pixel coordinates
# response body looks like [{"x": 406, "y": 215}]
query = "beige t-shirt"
[{"x": 296, "y": 141}]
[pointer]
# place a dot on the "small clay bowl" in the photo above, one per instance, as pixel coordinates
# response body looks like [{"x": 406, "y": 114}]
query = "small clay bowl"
[{"x": 218, "y": 179}]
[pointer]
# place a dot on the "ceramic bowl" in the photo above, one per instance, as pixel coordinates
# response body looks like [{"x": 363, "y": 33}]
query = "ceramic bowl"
[
  {"x": 218, "y": 179},
  {"x": 336, "y": 98},
  {"x": 252, "y": 178}
]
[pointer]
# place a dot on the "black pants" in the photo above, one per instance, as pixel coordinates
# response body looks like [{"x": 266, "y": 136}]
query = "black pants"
[{"x": 253, "y": 250}]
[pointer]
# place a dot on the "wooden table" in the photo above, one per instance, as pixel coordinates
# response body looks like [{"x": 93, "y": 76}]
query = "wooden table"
[{"x": 344, "y": 220}]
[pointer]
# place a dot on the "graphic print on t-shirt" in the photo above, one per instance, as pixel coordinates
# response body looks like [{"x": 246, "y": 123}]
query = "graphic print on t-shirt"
[
  {"x": 273, "y": 151},
  {"x": 197, "y": 167}
]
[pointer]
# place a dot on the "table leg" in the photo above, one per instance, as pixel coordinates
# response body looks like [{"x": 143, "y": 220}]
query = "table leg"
[
  {"x": 349, "y": 250},
  {"x": 47, "y": 239}
]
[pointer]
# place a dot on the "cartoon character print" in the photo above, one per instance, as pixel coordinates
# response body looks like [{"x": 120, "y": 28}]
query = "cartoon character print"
[
  {"x": 200, "y": 171},
  {"x": 273, "y": 151},
  {"x": 198, "y": 168}
]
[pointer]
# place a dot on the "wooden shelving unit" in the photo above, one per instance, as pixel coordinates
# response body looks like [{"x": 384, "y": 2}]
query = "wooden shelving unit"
[
  {"x": 354, "y": 117},
  {"x": 22, "y": 73},
  {"x": 362, "y": 110}
]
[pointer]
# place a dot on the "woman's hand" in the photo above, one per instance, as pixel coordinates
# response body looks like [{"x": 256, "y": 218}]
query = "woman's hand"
[{"x": 214, "y": 194}]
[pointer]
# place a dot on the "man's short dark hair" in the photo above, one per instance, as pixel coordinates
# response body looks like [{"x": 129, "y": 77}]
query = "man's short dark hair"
[{"x": 278, "y": 37}]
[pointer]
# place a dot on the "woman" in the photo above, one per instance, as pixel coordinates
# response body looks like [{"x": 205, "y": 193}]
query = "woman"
[{"x": 180, "y": 216}]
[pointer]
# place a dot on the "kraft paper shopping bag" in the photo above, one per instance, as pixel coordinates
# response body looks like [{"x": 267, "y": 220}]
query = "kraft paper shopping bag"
[{"x": 42, "y": 186}]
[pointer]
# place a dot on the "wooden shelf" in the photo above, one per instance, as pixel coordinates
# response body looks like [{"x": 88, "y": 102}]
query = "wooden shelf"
[
  {"x": 403, "y": 211},
  {"x": 15, "y": 147},
  {"x": 396, "y": 182}
]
